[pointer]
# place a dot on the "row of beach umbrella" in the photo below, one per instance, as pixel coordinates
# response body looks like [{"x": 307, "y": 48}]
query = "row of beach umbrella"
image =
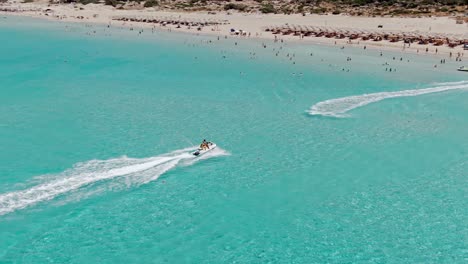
[
  {"x": 171, "y": 20},
  {"x": 375, "y": 35}
]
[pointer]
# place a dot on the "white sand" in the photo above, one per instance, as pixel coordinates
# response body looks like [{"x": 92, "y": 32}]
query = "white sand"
[{"x": 256, "y": 23}]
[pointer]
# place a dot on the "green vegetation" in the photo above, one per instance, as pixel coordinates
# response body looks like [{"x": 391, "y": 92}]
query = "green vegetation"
[
  {"x": 351, "y": 7},
  {"x": 85, "y": 2},
  {"x": 380, "y": 7},
  {"x": 267, "y": 8},
  {"x": 193, "y": 2},
  {"x": 113, "y": 3},
  {"x": 151, "y": 3},
  {"x": 286, "y": 10},
  {"x": 403, "y": 3},
  {"x": 319, "y": 10},
  {"x": 239, "y": 7}
]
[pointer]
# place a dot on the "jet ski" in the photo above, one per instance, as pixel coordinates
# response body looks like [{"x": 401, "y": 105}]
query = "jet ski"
[{"x": 200, "y": 151}]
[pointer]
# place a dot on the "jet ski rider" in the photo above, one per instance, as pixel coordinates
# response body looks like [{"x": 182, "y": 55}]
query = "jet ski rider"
[{"x": 204, "y": 145}]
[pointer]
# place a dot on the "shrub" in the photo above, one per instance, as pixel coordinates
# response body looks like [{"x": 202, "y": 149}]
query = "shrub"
[
  {"x": 85, "y": 2},
  {"x": 267, "y": 8},
  {"x": 229, "y": 6},
  {"x": 239, "y": 7},
  {"x": 151, "y": 3},
  {"x": 410, "y": 5},
  {"x": 181, "y": 5},
  {"x": 113, "y": 3},
  {"x": 362, "y": 2},
  {"x": 300, "y": 9},
  {"x": 319, "y": 10},
  {"x": 427, "y": 2},
  {"x": 286, "y": 10}
]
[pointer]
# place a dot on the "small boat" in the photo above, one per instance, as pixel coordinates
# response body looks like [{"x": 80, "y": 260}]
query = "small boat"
[
  {"x": 463, "y": 68},
  {"x": 200, "y": 151}
]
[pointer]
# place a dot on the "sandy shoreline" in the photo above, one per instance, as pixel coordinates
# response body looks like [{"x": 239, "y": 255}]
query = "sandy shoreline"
[{"x": 255, "y": 24}]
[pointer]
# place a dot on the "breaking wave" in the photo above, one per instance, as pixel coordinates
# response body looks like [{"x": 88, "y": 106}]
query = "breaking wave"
[
  {"x": 135, "y": 172},
  {"x": 340, "y": 106}
]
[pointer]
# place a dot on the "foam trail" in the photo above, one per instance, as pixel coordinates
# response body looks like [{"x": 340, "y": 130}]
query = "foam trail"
[
  {"x": 450, "y": 83},
  {"x": 340, "y": 106},
  {"x": 87, "y": 173},
  {"x": 217, "y": 152}
]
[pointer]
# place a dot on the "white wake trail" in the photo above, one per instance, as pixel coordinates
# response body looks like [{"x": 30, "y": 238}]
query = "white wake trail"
[
  {"x": 340, "y": 106},
  {"x": 87, "y": 173}
]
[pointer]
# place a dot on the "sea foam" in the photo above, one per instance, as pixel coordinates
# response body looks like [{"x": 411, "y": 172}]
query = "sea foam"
[
  {"x": 138, "y": 171},
  {"x": 340, "y": 106}
]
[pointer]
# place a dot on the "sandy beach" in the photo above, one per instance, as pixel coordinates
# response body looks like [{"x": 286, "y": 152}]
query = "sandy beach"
[{"x": 254, "y": 25}]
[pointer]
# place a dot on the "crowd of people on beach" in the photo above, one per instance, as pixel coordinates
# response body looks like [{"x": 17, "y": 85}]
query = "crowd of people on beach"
[{"x": 278, "y": 47}]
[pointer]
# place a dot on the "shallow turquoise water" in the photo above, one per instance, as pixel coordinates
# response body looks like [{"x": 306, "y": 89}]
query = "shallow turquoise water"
[{"x": 91, "y": 127}]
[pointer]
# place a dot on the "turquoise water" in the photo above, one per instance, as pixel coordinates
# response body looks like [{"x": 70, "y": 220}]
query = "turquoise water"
[{"x": 315, "y": 164}]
